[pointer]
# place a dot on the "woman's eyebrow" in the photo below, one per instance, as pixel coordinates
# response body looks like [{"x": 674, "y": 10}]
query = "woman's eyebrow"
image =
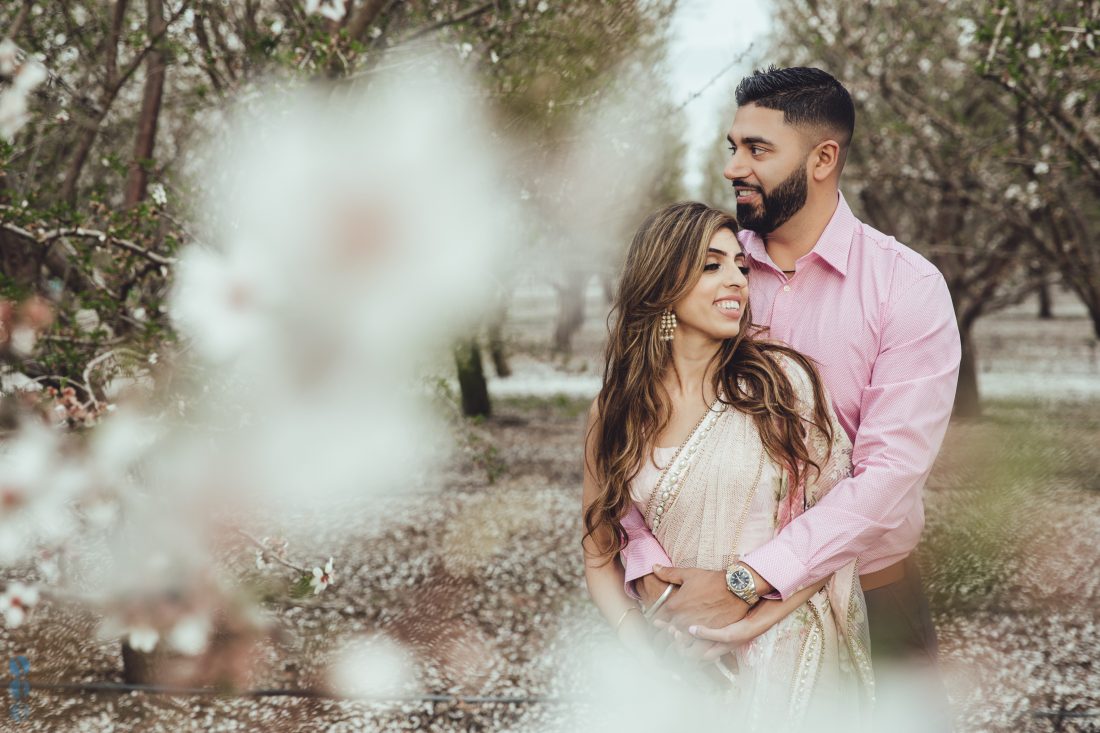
[{"x": 716, "y": 251}]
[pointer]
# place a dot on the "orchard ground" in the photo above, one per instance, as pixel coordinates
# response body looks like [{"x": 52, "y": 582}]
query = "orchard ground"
[{"x": 481, "y": 581}]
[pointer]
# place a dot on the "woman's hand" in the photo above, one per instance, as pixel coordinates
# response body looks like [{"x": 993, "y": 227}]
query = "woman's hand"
[
  {"x": 724, "y": 639},
  {"x": 764, "y": 615},
  {"x": 696, "y": 649}
]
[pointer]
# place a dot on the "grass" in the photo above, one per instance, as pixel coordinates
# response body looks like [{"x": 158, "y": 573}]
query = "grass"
[{"x": 998, "y": 491}]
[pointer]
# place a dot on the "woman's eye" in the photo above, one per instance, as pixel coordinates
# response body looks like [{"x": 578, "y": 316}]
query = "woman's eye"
[
  {"x": 711, "y": 267},
  {"x": 744, "y": 270}
]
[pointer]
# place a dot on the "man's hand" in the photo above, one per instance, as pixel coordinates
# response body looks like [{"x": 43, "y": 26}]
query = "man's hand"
[
  {"x": 650, "y": 588},
  {"x": 702, "y": 598}
]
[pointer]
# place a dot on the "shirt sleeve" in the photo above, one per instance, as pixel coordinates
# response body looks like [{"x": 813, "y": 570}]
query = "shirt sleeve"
[
  {"x": 642, "y": 550},
  {"x": 904, "y": 413}
]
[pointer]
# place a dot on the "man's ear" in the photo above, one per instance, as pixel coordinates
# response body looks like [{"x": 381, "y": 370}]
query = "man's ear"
[{"x": 825, "y": 159}]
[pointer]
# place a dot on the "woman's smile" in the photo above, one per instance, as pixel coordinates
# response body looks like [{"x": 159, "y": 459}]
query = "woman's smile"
[{"x": 729, "y": 307}]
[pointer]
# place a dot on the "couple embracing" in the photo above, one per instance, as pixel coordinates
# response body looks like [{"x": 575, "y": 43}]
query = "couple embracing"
[{"x": 777, "y": 387}]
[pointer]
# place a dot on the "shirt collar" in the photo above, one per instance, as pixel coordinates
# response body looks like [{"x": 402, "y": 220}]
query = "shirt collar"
[{"x": 832, "y": 247}]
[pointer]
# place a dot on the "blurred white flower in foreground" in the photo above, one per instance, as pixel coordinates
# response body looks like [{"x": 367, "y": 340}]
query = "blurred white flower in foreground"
[
  {"x": 143, "y": 639},
  {"x": 36, "y": 483},
  {"x": 16, "y": 602},
  {"x": 9, "y": 57},
  {"x": 372, "y": 667},
  {"x": 331, "y": 9},
  {"x": 344, "y": 253},
  {"x": 13, "y": 100},
  {"x": 191, "y": 634}
]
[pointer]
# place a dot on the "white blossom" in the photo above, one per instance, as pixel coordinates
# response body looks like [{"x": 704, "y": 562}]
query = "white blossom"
[
  {"x": 86, "y": 319},
  {"x": 23, "y": 340},
  {"x": 143, "y": 638},
  {"x": 543, "y": 6},
  {"x": 222, "y": 301},
  {"x": 373, "y": 667},
  {"x": 157, "y": 193},
  {"x": 1034, "y": 51},
  {"x": 36, "y": 485},
  {"x": 1042, "y": 168},
  {"x": 16, "y": 602},
  {"x": 13, "y": 112},
  {"x": 9, "y": 57},
  {"x": 190, "y": 635},
  {"x": 322, "y": 578},
  {"x": 31, "y": 74},
  {"x": 333, "y": 10}
]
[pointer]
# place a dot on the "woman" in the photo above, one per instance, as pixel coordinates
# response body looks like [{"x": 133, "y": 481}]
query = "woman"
[{"x": 719, "y": 439}]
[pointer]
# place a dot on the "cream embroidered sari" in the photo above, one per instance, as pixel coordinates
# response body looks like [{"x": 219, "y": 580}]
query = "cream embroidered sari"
[{"x": 719, "y": 496}]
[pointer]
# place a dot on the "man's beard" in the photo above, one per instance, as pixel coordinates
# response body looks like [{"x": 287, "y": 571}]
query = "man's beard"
[{"x": 775, "y": 208}]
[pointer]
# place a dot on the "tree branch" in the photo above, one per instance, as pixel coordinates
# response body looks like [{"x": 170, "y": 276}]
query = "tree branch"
[{"x": 454, "y": 20}]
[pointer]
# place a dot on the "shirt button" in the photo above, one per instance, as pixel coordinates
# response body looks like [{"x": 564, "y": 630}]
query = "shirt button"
[{"x": 786, "y": 288}]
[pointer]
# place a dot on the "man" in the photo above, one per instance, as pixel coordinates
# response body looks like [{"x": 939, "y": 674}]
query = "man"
[{"x": 878, "y": 319}]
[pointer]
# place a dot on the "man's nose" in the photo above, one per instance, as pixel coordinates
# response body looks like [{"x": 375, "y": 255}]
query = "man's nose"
[{"x": 735, "y": 168}]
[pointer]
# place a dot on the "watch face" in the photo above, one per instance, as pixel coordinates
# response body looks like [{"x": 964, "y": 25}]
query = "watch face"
[{"x": 740, "y": 579}]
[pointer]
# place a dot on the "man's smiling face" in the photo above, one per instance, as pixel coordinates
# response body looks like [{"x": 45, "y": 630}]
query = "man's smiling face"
[{"x": 767, "y": 167}]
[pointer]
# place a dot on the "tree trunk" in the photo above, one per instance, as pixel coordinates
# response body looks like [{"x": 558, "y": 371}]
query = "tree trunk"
[
  {"x": 497, "y": 351},
  {"x": 967, "y": 402},
  {"x": 1046, "y": 310},
  {"x": 155, "y": 65},
  {"x": 471, "y": 379},
  {"x": 110, "y": 91},
  {"x": 570, "y": 311}
]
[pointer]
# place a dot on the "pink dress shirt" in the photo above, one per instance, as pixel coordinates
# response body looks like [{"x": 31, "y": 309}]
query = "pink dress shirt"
[{"x": 877, "y": 318}]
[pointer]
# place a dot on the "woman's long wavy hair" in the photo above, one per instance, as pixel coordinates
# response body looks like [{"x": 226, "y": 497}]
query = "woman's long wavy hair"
[{"x": 665, "y": 261}]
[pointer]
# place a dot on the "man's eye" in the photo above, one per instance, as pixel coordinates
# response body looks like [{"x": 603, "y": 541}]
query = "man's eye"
[{"x": 757, "y": 150}]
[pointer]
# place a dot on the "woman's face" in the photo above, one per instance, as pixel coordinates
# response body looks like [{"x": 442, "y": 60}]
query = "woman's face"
[{"x": 712, "y": 309}]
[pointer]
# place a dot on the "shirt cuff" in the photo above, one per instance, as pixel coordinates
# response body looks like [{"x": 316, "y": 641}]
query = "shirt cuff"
[{"x": 776, "y": 564}]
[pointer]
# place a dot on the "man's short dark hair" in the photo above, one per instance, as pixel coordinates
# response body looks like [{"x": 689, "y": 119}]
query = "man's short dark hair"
[{"x": 806, "y": 97}]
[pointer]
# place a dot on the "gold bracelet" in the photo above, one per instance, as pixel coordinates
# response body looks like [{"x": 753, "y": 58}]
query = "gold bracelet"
[{"x": 619, "y": 623}]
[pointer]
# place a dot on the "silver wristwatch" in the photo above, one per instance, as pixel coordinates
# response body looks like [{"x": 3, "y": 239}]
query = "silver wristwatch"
[{"x": 740, "y": 583}]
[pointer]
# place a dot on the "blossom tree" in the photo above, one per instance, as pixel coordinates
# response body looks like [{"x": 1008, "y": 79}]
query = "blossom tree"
[
  {"x": 943, "y": 158},
  {"x": 1044, "y": 57}
]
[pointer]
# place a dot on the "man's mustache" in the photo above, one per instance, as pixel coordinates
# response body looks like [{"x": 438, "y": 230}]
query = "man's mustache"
[{"x": 738, "y": 183}]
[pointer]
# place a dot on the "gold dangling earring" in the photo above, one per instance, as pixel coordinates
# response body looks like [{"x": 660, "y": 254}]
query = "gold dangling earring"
[{"x": 667, "y": 328}]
